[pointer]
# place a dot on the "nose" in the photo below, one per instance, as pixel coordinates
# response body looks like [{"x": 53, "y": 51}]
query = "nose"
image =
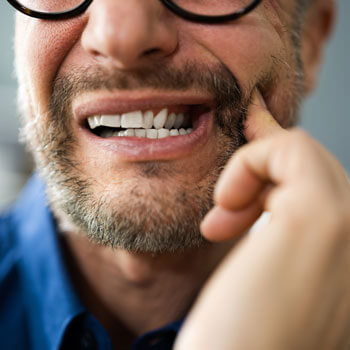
[{"x": 129, "y": 32}]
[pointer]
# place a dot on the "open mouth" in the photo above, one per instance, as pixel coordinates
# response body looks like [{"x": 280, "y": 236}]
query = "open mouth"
[
  {"x": 144, "y": 128},
  {"x": 151, "y": 124}
]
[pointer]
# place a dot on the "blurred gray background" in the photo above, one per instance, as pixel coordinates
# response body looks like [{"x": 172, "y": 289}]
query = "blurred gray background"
[{"x": 325, "y": 115}]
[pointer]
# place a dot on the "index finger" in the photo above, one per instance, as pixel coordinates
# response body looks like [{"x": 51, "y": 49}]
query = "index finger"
[
  {"x": 260, "y": 123},
  {"x": 239, "y": 185}
]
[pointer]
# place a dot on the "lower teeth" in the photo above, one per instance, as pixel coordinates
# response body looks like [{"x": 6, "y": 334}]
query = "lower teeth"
[{"x": 145, "y": 133}]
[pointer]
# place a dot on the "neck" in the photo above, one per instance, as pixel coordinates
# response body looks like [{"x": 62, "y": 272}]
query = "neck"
[{"x": 122, "y": 289}]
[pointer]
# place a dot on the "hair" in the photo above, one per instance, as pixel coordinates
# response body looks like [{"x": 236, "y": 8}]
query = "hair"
[
  {"x": 300, "y": 12},
  {"x": 303, "y": 5}
]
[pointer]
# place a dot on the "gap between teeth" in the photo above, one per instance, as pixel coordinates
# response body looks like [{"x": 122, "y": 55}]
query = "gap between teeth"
[{"x": 145, "y": 120}]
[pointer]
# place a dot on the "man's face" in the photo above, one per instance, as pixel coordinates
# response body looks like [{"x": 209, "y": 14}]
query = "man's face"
[{"x": 124, "y": 56}]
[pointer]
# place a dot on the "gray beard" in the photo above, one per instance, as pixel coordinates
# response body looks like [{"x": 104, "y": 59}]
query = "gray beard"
[{"x": 150, "y": 221}]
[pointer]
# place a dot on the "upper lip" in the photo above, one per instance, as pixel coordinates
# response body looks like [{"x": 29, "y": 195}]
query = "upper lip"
[{"x": 118, "y": 104}]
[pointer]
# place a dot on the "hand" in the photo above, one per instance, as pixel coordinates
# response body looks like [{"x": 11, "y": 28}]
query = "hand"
[{"x": 287, "y": 286}]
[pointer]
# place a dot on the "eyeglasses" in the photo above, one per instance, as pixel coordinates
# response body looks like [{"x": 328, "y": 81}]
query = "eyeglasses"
[{"x": 201, "y": 11}]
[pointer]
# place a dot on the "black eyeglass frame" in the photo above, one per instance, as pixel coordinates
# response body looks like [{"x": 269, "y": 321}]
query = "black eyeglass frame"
[{"x": 193, "y": 17}]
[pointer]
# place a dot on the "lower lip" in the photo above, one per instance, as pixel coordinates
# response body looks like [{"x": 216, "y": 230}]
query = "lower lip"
[{"x": 143, "y": 149}]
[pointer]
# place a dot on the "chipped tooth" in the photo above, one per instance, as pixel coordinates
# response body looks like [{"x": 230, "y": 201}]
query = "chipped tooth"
[
  {"x": 160, "y": 119},
  {"x": 174, "y": 132},
  {"x": 94, "y": 122},
  {"x": 147, "y": 120},
  {"x": 129, "y": 132},
  {"x": 152, "y": 133},
  {"x": 132, "y": 120},
  {"x": 189, "y": 130},
  {"x": 140, "y": 132},
  {"x": 182, "y": 131},
  {"x": 178, "y": 121},
  {"x": 112, "y": 121},
  {"x": 163, "y": 133},
  {"x": 91, "y": 122},
  {"x": 170, "y": 121}
]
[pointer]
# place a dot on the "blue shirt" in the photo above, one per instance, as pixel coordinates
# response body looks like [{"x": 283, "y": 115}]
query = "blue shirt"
[{"x": 39, "y": 308}]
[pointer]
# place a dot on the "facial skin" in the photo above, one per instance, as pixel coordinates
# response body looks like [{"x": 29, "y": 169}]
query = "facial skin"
[
  {"x": 61, "y": 64},
  {"x": 91, "y": 187}
]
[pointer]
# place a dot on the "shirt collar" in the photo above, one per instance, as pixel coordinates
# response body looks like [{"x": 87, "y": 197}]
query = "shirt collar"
[{"x": 51, "y": 299}]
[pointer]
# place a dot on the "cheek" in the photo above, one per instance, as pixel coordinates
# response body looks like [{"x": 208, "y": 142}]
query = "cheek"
[
  {"x": 41, "y": 47},
  {"x": 245, "y": 47},
  {"x": 258, "y": 52}
]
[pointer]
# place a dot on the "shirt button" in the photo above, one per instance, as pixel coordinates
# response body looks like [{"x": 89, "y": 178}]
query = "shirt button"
[{"x": 88, "y": 341}]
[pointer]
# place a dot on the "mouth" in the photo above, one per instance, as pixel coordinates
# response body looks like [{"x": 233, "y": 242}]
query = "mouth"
[
  {"x": 145, "y": 129},
  {"x": 142, "y": 124}
]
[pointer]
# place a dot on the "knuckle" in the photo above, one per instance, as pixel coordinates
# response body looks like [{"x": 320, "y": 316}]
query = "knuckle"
[
  {"x": 302, "y": 146},
  {"x": 311, "y": 212},
  {"x": 300, "y": 136}
]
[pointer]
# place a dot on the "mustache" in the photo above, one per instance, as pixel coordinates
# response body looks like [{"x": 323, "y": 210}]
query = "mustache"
[{"x": 218, "y": 81}]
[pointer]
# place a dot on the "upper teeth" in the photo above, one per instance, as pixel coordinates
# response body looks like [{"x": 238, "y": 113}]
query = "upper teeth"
[{"x": 139, "y": 119}]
